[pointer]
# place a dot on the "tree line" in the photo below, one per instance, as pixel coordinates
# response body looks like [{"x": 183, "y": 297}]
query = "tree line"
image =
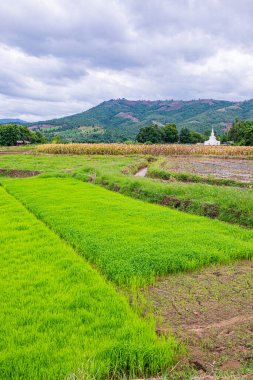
[
  {"x": 241, "y": 132},
  {"x": 168, "y": 134},
  {"x": 11, "y": 133}
]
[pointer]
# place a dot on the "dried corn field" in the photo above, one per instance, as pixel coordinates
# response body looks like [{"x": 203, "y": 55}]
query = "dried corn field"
[{"x": 159, "y": 149}]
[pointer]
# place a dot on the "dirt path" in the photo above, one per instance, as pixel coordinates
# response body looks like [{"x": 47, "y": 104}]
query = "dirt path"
[
  {"x": 212, "y": 311},
  {"x": 142, "y": 172}
]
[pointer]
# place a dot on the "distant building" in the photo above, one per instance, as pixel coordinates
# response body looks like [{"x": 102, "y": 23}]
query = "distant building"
[
  {"x": 22, "y": 142},
  {"x": 212, "y": 140}
]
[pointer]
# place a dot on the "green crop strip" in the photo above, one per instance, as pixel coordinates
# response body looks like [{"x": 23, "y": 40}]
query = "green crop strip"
[
  {"x": 59, "y": 319},
  {"x": 229, "y": 204},
  {"x": 129, "y": 240}
]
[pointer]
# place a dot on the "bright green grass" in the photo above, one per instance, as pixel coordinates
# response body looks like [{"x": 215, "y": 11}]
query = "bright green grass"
[
  {"x": 129, "y": 240},
  {"x": 63, "y": 164},
  {"x": 234, "y": 205},
  {"x": 58, "y": 317}
]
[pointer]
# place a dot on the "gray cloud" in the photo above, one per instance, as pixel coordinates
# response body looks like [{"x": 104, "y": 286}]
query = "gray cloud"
[{"x": 60, "y": 56}]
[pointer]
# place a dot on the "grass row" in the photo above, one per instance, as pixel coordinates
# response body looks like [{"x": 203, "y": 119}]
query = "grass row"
[
  {"x": 229, "y": 204},
  {"x": 59, "y": 319},
  {"x": 130, "y": 241}
]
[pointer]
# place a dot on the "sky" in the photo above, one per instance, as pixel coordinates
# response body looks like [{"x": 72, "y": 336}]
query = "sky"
[{"x": 60, "y": 57}]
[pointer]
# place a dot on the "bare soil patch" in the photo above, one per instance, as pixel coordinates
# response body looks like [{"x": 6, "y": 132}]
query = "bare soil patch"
[
  {"x": 212, "y": 312},
  {"x": 217, "y": 167},
  {"x": 142, "y": 172},
  {"x": 18, "y": 173},
  {"x": 14, "y": 152}
]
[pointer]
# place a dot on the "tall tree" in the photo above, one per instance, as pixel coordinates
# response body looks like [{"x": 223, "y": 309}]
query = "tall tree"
[
  {"x": 170, "y": 133},
  {"x": 185, "y": 136},
  {"x": 151, "y": 133},
  {"x": 241, "y": 132}
]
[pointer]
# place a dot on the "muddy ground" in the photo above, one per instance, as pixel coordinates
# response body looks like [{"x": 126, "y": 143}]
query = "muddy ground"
[
  {"x": 18, "y": 173},
  {"x": 212, "y": 312},
  {"x": 236, "y": 169}
]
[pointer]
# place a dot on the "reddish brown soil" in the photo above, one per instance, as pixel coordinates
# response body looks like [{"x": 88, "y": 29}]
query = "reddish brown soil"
[
  {"x": 212, "y": 312},
  {"x": 235, "y": 169}
]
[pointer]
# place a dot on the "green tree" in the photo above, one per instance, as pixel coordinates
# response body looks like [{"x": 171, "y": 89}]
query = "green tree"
[
  {"x": 241, "y": 132},
  {"x": 57, "y": 140},
  {"x": 236, "y": 133},
  {"x": 11, "y": 133},
  {"x": 248, "y": 135},
  {"x": 170, "y": 133},
  {"x": 185, "y": 136},
  {"x": 196, "y": 137},
  {"x": 151, "y": 133}
]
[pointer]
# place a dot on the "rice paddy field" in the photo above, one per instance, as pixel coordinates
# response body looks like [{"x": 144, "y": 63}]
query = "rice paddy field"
[
  {"x": 59, "y": 317},
  {"x": 96, "y": 284},
  {"x": 134, "y": 241}
]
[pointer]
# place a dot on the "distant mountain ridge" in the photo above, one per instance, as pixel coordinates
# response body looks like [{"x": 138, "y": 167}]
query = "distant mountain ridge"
[
  {"x": 14, "y": 121},
  {"x": 121, "y": 119}
]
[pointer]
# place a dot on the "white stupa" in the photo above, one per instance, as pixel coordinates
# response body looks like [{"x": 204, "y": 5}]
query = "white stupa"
[{"x": 212, "y": 140}]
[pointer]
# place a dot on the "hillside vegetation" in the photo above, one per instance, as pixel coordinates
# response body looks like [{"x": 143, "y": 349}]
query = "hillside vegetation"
[{"x": 121, "y": 119}]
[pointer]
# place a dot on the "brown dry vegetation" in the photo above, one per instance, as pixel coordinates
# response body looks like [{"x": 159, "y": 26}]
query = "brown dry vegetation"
[{"x": 173, "y": 149}]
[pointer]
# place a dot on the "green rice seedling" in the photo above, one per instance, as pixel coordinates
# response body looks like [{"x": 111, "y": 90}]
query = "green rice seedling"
[
  {"x": 59, "y": 319},
  {"x": 229, "y": 204},
  {"x": 130, "y": 241}
]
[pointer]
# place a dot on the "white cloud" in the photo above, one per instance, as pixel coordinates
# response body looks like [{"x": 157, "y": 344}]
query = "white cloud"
[{"x": 60, "y": 56}]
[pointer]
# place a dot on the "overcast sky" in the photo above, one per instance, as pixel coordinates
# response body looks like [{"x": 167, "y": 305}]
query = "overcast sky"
[{"x": 60, "y": 57}]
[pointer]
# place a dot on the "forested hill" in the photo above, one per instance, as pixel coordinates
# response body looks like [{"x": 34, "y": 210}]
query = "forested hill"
[
  {"x": 120, "y": 119},
  {"x": 14, "y": 121}
]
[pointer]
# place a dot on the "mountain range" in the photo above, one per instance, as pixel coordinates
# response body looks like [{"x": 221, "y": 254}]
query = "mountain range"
[
  {"x": 121, "y": 119},
  {"x": 14, "y": 121}
]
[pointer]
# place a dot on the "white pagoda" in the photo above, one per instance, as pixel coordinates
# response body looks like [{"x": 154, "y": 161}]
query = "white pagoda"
[{"x": 212, "y": 140}]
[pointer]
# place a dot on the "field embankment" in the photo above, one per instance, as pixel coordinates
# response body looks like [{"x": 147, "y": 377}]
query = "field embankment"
[
  {"x": 231, "y": 204},
  {"x": 158, "y": 149},
  {"x": 59, "y": 317},
  {"x": 134, "y": 241}
]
